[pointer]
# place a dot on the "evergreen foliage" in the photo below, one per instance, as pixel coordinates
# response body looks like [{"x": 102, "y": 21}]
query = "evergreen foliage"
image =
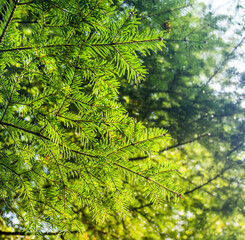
[{"x": 65, "y": 139}]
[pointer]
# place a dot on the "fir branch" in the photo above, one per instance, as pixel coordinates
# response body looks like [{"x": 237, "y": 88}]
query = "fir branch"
[
  {"x": 29, "y": 200},
  {"x": 26, "y": 22},
  {"x": 92, "y": 45},
  {"x": 156, "y": 197},
  {"x": 126, "y": 43},
  {"x": 184, "y": 40},
  {"x": 9, "y": 20},
  {"x": 31, "y": 48},
  {"x": 10, "y": 134},
  {"x": 24, "y": 129},
  {"x": 11, "y": 96},
  {"x": 120, "y": 29},
  {"x": 118, "y": 194},
  {"x": 166, "y": 171},
  {"x": 220, "y": 174},
  {"x": 27, "y": 193},
  {"x": 147, "y": 178},
  {"x": 4, "y": 87},
  {"x": 88, "y": 173},
  {"x": 74, "y": 29},
  {"x": 61, "y": 175},
  {"x": 44, "y": 137},
  {"x": 171, "y": 147},
  {"x": 135, "y": 143},
  {"x": 44, "y": 22},
  {"x": 130, "y": 66},
  {"x": 71, "y": 89},
  {"x": 207, "y": 182},
  {"x": 73, "y": 78}
]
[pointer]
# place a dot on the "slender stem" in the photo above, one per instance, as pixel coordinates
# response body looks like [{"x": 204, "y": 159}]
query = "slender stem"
[
  {"x": 126, "y": 43},
  {"x": 24, "y": 129},
  {"x": 126, "y": 61},
  {"x": 148, "y": 179},
  {"x": 44, "y": 137},
  {"x": 133, "y": 144},
  {"x": 174, "y": 170},
  {"x": 219, "y": 68},
  {"x": 171, "y": 147},
  {"x": 119, "y": 30},
  {"x": 93, "y": 45},
  {"x": 206, "y": 183}
]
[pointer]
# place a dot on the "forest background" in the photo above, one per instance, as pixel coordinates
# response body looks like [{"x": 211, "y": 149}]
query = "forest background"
[{"x": 190, "y": 90}]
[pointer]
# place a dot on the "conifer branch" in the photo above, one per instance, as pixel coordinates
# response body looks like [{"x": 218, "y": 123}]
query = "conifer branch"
[
  {"x": 88, "y": 173},
  {"x": 73, "y": 31},
  {"x": 24, "y": 129},
  {"x": 90, "y": 105},
  {"x": 9, "y": 102},
  {"x": 11, "y": 96},
  {"x": 31, "y": 48},
  {"x": 44, "y": 137},
  {"x": 148, "y": 179},
  {"x": 135, "y": 143},
  {"x": 92, "y": 45},
  {"x": 61, "y": 175},
  {"x": 171, "y": 147},
  {"x": 9, "y": 20},
  {"x": 184, "y": 40},
  {"x": 73, "y": 78},
  {"x": 126, "y": 61},
  {"x": 70, "y": 89},
  {"x": 152, "y": 189},
  {"x": 10, "y": 134},
  {"x": 44, "y": 22},
  {"x": 166, "y": 171},
  {"x": 209, "y": 181},
  {"x": 32, "y": 208},
  {"x": 4, "y": 87},
  {"x": 118, "y": 194},
  {"x": 120, "y": 29},
  {"x": 27, "y": 194},
  {"x": 126, "y": 43}
]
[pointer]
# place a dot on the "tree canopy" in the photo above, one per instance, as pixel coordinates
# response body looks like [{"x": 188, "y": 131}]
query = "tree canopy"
[{"x": 80, "y": 80}]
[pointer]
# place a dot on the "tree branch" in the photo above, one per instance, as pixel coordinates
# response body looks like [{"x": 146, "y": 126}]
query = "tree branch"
[
  {"x": 206, "y": 183},
  {"x": 148, "y": 179},
  {"x": 219, "y": 68},
  {"x": 42, "y": 136},
  {"x": 171, "y": 147},
  {"x": 9, "y": 20},
  {"x": 22, "y": 233}
]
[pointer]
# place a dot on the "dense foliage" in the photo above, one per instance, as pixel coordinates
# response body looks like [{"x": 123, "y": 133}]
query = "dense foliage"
[
  {"x": 73, "y": 160},
  {"x": 65, "y": 139}
]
